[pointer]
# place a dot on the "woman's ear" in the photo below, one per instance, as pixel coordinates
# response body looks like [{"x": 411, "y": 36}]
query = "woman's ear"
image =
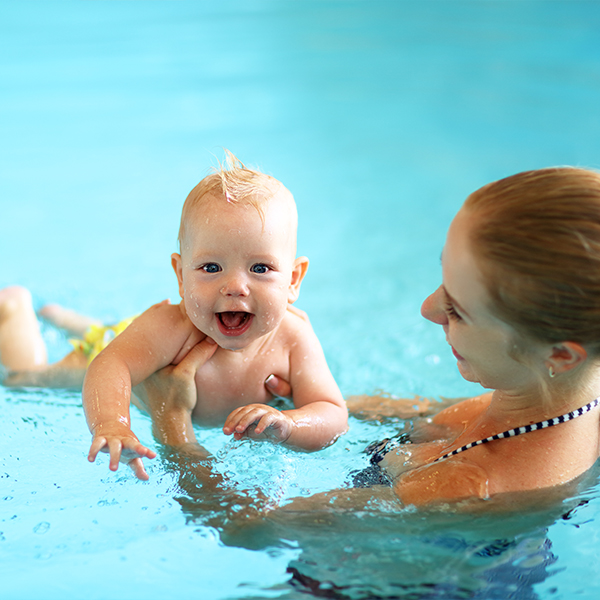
[
  {"x": 565, "y": 356},
  {"x": 176, "y": 263},
  {"x": 298, "y": 273}
]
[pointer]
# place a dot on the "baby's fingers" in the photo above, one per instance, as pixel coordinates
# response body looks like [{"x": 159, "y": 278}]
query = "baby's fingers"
[
  {"x": 132, "y": 448},
  {"x": 99, "y": 444},
  {"x": 114, "y": 449},
  {"x": 137, "y": 467},
  {"x": 239, "y": 420},
  {"x": 274, "y": 426},
  {"x": 265, "y": 422},
  {"x": 233, "y": 420}
]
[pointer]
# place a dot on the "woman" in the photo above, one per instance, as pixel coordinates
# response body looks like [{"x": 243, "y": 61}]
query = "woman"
[{"x": 520, "y": 308}]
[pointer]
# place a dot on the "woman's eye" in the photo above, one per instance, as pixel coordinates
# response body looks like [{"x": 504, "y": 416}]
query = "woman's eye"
[
  {"x": 259, "y": 268},
  {"x": 211, "y": 268},
  {"x": 452, "y": 314}
]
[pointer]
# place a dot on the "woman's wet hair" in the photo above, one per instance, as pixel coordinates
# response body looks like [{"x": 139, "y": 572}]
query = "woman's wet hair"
[{"x": 536, "y": 236}]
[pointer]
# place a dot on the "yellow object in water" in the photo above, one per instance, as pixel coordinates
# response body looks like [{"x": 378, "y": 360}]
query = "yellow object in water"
[{"x": 97, "y": 337}]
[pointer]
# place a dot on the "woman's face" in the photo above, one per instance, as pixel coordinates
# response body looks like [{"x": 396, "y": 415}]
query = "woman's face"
[{"x": 483, "y": 345}]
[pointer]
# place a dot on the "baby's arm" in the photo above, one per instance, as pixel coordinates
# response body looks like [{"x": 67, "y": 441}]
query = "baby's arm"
[
  {"x": 151, "y": 342},
  {"x": 320, "y": 415}
]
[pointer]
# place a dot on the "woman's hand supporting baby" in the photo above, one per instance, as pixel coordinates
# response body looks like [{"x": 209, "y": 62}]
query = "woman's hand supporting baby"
[{"x": 170, "y": 397}]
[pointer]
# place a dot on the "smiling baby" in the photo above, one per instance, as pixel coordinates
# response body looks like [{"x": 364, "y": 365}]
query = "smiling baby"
[{"x": 238, "y": 276}]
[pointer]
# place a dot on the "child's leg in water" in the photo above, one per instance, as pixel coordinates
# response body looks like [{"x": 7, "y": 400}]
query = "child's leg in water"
[
  {"x": 21, "y": 343},
  {"x": 23, "y": 351},
  {"x": 68, "y": 320}
]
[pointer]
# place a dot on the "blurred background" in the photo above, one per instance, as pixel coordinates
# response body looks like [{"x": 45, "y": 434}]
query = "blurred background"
[{"x": 380, "y": 117}]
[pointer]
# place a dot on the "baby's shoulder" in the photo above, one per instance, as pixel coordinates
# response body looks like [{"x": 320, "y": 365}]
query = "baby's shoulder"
[
  {"x": 295, "y": 326},
  {"x": 165, "y": 322},
  {"x": 165, "y": 308},
  {"x": 176, "y": 328}
]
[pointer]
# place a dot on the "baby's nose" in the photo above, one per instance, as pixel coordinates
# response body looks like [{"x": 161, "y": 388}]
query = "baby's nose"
[{"x": 235, "y": 286}]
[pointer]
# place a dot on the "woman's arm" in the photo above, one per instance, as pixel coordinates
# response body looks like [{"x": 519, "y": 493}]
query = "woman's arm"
[{"x": 382, "y": 407}]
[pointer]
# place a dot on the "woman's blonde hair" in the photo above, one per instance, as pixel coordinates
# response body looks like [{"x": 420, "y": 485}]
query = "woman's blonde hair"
[
  {"x": 236, "y": 184},
  {"x": 536, "y": 236}
]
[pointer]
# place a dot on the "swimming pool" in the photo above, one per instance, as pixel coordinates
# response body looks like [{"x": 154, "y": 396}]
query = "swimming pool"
[{"x": 380, "y": 117}]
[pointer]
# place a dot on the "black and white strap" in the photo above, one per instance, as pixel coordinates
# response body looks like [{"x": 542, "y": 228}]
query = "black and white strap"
[{"x": 526, "y": 428}]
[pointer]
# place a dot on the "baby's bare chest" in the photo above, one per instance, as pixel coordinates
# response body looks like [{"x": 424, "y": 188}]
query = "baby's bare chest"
[{"x": 229, "y": 381}]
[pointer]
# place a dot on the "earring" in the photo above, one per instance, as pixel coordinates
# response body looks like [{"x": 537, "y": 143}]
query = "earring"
[{"x": 551, "y": 372}]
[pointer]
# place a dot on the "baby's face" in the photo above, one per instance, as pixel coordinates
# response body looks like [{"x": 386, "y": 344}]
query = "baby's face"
[{"x": 236, "y": 276}]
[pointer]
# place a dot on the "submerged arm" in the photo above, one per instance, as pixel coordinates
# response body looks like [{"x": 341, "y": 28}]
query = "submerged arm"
[{"x": 382, "y": 407}]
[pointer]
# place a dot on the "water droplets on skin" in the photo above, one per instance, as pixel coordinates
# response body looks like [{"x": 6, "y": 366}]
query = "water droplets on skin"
[{"x": 407, "y": 455}]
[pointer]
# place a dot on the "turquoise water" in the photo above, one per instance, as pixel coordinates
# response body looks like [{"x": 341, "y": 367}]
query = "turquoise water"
[{"x": 380, "y": 117}]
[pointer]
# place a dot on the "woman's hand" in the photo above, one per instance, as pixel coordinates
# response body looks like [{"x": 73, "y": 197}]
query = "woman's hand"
[
  {"x": 278, "y": 387},
  {"x": 170, "y": 396}
]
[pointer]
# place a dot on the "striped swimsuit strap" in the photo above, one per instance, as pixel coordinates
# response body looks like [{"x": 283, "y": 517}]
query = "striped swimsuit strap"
[{"x": 526, "y": 429}]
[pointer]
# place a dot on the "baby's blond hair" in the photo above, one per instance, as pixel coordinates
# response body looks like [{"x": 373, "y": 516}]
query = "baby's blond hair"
[{"x": 236, "y": 184}]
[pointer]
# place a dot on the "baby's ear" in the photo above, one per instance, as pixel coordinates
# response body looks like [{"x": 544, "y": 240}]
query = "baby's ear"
[
  {"x": 298, "y": 273},
  {"x": 176, "y": 263}
]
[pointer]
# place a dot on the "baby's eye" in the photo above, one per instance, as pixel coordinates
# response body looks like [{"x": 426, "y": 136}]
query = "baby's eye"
[
  {"x": 211, "y": 268},
  {"x": 259, "y": 268}
]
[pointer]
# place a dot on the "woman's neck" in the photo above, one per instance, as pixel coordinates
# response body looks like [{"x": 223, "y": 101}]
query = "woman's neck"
[{"x": 561, "y": 395}]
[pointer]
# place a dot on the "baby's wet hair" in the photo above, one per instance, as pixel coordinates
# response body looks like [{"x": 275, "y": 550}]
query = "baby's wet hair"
[{"x": 236, "y": 184}]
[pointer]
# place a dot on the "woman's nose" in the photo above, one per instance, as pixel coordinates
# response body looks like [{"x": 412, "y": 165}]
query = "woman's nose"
[{"x": 433, "y": 308}]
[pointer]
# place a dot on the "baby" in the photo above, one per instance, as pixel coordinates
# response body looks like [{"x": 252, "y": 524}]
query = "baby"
[{"x": 238, "y": 277}]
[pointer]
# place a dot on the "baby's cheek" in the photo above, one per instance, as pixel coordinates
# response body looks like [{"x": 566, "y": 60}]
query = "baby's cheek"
[{"x": 271, "y": 318}]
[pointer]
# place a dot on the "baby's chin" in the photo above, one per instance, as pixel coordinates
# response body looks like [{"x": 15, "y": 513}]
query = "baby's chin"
[{"x": 233, "y": 344}]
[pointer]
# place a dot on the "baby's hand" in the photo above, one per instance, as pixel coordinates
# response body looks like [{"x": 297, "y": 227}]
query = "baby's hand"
[
  {"x": 271, "y": 423},
  {"x": 123, "y": 447}
]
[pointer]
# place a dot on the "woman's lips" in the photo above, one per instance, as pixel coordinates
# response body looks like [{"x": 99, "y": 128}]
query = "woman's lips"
[
  {"x": 233, "y": 324},
  {"x": 456, "y": 354}
]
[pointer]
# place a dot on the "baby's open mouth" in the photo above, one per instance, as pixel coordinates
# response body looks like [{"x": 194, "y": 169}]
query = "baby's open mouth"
[{"x": 234, "y": 323}]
